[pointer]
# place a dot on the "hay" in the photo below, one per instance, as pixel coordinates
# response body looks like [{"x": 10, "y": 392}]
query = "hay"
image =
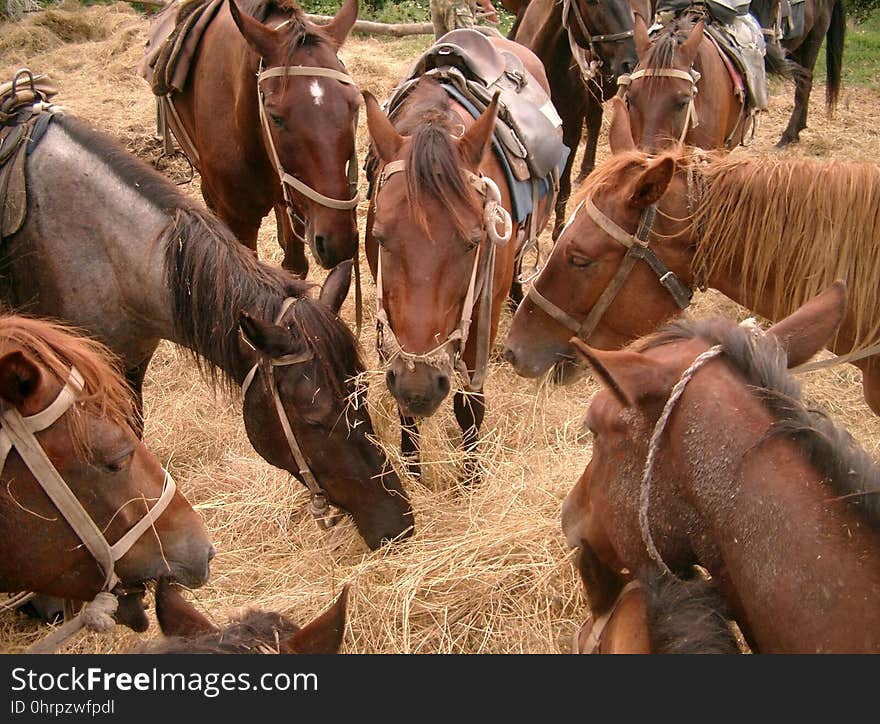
[{"x": 488, "y": 570}]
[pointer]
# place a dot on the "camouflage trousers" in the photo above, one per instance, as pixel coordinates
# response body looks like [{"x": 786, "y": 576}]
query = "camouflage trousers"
[{"x": 448, "y": 15}]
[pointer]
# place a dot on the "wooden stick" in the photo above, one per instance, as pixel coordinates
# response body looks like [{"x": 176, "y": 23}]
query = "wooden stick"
[{"x": 368, "y": 27}]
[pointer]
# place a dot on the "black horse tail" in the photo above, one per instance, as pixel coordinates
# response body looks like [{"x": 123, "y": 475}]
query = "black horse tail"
[
  {"x": 834, "y": 54},
  {"x": 685, "y": 616},
  {"x": 775, "y": 61}
]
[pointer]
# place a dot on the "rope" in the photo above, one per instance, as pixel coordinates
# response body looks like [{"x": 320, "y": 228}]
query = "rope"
[{"x": 96, "y": 615}]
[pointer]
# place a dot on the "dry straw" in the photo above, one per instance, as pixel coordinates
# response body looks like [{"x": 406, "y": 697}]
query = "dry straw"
[{"x": 488, "y": 569}]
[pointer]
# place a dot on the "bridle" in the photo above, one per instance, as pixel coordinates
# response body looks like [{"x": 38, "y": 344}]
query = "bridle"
[
  {"x": 449, "y": 351},
  {"x": 637, "y": 246},
  {"x": 17, "y": 431},
  {"x": 691, "y": 75},
  {"x": 319, "y": 503},
  {"x": 592, "y": 69}
]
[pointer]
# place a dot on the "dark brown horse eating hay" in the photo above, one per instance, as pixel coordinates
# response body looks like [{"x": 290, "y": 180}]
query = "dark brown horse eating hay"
[
  {"x": 268, "y": 115},
  {"x": 704, "y": 454},
  {"x": 188, "y": 631},
  {"x": 768, "y": 233},
  {"x": 147, "y": 263},
  {"x": 98, "y": 513}
]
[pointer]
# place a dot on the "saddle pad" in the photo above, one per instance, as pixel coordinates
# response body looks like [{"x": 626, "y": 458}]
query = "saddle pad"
[{"x": 743, "y": 41}]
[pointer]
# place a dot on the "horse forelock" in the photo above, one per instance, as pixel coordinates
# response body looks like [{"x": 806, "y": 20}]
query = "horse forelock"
[
  {"x": 763, "y": 365},
  {"x": 57, "y": 348},
  {"x": 610, "y": 174}
]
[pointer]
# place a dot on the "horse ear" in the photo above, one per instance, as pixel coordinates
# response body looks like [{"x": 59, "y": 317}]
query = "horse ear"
[
  {"x": 386, "y": 140},
  {"x": 640, "y": 36},
  {"x": 176, "y": 616},
  {"x": 688, "y": 49},
  {"x": 258, "y": 36},
  {"x": 335, "y": 288},
  {"x": 630, "y": 376},
  {"x": 804, "y": 332},
  {"x": 473, "y": 144},
  {"x": 271, "y": 339},
  {"x": 324, "y": 634},
  {"x": 652, "y": 182},
  {"x": 19, "y": 377},
  {"x": 620, "y": 133},
  {"x": 339, "y": 28}
]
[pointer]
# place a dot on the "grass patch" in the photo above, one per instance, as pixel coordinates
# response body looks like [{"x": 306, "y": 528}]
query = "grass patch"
[{"x": 861, "y": 54}]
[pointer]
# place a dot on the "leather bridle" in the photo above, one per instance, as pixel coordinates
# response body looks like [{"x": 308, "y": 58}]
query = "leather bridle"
[
  {"x": 590, "y": 69},
  {"x": 449, "y": 351},
  {"x": 637, "y": 246}
]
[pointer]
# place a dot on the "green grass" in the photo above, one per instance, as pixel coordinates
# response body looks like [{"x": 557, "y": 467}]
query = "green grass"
[{"x": 861, "y": 54}]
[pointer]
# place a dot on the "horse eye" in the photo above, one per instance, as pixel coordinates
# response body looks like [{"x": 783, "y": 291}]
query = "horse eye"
[
  {"x": 581, "y": 262},
  {"x": 121, "y": 463},
  {"x": 278, "y": 121}
]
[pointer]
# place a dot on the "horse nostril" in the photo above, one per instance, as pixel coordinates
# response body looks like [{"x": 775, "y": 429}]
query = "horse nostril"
[
  {"x": 510, "y": 356},
  {"x": 212, "y": 552},
  {"x": 320, "y": 246},
  {"x": 389, "y": 379},
  {"x": 443, "y": 385}
]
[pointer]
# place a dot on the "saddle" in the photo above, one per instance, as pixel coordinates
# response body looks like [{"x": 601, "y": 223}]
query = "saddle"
[
  {"x": 471, "y": 68},
  {"x": 793, "y": 18},
  {"x": 25, "y": 114},
  {"x": 174, "y": 39}
]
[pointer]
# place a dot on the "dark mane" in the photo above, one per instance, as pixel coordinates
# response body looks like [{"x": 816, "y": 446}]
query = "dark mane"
[
  {"x": 256, "y": 632},
  {"x": 300, "y": 31},
  {"x": 433, "y": 166},
  {"x": 764, "y": 366},
  {"x": 212, "y": 277},
  {"x": 686, "y": 616},
  {"x": 662, "y": 52}
]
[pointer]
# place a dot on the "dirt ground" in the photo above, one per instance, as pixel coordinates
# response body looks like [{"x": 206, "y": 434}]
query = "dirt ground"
[{"x": 488, "y": 570}]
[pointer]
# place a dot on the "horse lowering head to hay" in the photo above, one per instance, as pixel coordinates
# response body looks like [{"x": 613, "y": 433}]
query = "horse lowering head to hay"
[
  {"x": 147, "y": 263},
  {"x": 704, "y": 454},
  {"x": 187, "y": 631},
  {"x": 769, "y": 233},
  {"x": 681, "y": 90},
  {"x": 439, "y": 241},
  {"x": 85, "y": 508},
  {"x": 268, "y": 114}
]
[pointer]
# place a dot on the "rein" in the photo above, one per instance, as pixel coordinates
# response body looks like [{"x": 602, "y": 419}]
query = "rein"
[
  {"x": 637, "y": 249},
  {"x": 480, "y": 285},
  {"x": 319, "y": 503},
  {"x": 589, "y": 70},
  {"x": 18, "y": 432}
]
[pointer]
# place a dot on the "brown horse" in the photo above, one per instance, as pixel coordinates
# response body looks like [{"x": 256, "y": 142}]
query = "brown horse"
[
  {"x": 286, "y": 140},
  {"x": 602, "y": 33},
  {"x": 435, "y": 244},
  {"x": 704, "y": 454},
  {"x": 824, "y": 21},
  {"x": 768, "y": 233},
  {"x": 188, "y": 631},
  {"x": 659, "y": 614},
  {"x": 682, "y": 91},
  {"x": 65, "y": 433}
]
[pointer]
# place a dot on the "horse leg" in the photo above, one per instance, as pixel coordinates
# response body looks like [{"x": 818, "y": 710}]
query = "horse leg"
[
  {"x": 594, "y": 125},
  {"x": 294, "y": 250},
  {"x": 409, "y": 445},
  {"x": 470, "y": 409},
  {"x": 803, "y": 86},
  {"x": 571, "y": 136}
]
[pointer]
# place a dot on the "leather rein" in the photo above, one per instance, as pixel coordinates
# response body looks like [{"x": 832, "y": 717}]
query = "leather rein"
[
  {"x": 479, "y": 286},
  {"x": 638, "y": 248},
  {"x": 18, "y": 432}
]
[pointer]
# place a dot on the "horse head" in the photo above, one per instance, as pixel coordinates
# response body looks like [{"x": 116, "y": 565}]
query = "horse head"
[
  {"x": 305, "y": 412},
  {"x": 425, "y": 229},
  {"x": 308, "y": 109},
  {"x": 605, "y": 29},
  {"x": 66, "y": 435}
]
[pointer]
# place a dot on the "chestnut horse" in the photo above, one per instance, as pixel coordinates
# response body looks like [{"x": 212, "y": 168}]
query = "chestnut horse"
[
  {"x": 602, "y": 32},
  {"x": 681, "y": 90},
  {"x": 704, "y": 454},
  {"x": 437, "y": 247},
  {"x": 148, "y": 263},
  {"x": 85, "y": 508},
  {"x": 824, "y": 21},
  {"x": 268, "y": 115},
  {"x": 766, "y": 232},
  {"x": 188, "y": 631}
]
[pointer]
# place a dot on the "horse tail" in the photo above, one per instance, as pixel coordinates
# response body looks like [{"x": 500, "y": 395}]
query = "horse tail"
[
  {"x": 685, "y": 616},
  {"x": 834, "y": 54}
]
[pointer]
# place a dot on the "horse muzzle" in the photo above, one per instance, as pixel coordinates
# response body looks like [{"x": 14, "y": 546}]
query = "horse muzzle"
[{"x": 418, "y": 388}]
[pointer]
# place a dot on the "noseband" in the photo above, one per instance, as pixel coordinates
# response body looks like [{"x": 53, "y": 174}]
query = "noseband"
[
  {"x": 637, "y": 248},
  {"x": 480, "y": 285},
  {"x": 589, "y": 70},
  {"x": 18, "y": 432},
  {"x": 319, "y": 503}
]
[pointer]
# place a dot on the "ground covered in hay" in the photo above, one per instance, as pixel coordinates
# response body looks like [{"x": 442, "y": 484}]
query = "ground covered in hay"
[{"x": 488, "y": 570}]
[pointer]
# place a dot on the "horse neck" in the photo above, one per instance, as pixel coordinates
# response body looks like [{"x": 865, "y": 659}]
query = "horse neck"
[{"x": 782, "y": 546}]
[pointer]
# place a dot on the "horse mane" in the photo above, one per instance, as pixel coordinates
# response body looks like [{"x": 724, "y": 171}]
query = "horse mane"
[
  {"x": 300, "y": 31},
  {"x": 255, "y": 632},
  {"x": 433, "y": 164},
  {"x": 685, "y": 616},
  {"x": 662, "y": 52},
  {"x": 57, "y": 348},
  {"x": 764, "y": 365},
  {"x": 212, "y": 277}
]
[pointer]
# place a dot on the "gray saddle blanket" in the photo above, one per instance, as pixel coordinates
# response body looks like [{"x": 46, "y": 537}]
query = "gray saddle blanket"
[{"x": 530, "y": 129}]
